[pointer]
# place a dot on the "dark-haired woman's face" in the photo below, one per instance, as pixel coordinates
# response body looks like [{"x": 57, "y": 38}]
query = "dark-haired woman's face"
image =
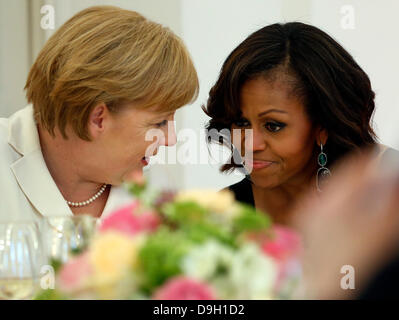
[{"x": 283, "y": 138}]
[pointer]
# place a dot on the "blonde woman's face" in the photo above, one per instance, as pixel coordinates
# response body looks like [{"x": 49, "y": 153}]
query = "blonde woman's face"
[{"x": 128, "y": 140}]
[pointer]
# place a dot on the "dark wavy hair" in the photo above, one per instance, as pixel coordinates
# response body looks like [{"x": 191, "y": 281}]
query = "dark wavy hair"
[{"x": 336, "y": 92}]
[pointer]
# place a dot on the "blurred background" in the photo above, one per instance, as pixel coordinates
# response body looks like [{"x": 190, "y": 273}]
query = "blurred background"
[{"x": 211, "y": 29}]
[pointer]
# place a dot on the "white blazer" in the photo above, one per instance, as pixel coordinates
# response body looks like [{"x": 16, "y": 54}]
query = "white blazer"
[{"x": 27, "y": 190}]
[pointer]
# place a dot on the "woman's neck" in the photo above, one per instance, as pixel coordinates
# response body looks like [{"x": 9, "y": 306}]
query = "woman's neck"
[
  {"x": 59, "y": 156},
  {"x": 279, "y": 202}
]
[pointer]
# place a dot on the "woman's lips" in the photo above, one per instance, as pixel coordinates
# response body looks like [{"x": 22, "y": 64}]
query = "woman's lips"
[
  {"x": 145, "y": 161},
  {"x": 258, "y": 164}
]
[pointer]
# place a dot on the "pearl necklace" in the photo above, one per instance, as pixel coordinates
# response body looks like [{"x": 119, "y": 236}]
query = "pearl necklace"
[{"x": 87, "y": 202}]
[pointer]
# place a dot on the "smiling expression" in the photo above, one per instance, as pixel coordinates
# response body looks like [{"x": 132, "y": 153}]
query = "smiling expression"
[
  {"x": 283, "y": 137},
  {"x": 122, "y": 145}
]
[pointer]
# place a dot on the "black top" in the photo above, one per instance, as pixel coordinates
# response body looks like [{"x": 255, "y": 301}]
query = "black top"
[
  {"x": 383, "y": 285},
  {"x": 243, "y": 191}
]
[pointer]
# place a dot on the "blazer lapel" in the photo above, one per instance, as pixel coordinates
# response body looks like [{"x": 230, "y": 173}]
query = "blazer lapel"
[
  {"x": 30, "y": 170},
  {"x": 39, "y": 187}
]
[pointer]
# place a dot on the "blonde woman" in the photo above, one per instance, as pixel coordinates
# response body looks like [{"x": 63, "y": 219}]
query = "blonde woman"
[{"x": 99, "y": 84}]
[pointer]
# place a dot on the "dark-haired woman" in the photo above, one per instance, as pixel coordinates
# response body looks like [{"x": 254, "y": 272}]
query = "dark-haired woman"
[{"x": 307, "y": 104}]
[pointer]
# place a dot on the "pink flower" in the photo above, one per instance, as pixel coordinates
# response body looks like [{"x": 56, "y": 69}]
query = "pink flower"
[
  {"x": 283, "y": 245},
  {"x": 74, "y": 273},
  {"x": 126, "y": 220},
  {"x": 183, "y": 288}
]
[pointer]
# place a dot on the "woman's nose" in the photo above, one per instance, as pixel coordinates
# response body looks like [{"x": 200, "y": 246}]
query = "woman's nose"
[
  {"x": 254, "y": 140},
  {"x": 170, "y": 139}
]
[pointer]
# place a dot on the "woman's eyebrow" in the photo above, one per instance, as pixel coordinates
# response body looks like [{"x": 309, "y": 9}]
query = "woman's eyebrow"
[{"x": 271, "y": 110}]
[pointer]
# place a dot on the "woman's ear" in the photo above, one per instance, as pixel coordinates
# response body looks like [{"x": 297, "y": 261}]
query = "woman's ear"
[
  {"x": 321, "y": 136},
  {"x": 97, "y": 120}
]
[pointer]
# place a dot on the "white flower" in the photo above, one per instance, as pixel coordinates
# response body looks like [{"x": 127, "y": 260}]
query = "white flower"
[
  {"x": 204, "y": 261},
  {"x": 243, "y": 274},
  {"x": 253, "y": 274}
]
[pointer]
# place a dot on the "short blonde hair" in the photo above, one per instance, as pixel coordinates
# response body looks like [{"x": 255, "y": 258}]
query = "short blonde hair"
[{"x": 105, "y": 54}]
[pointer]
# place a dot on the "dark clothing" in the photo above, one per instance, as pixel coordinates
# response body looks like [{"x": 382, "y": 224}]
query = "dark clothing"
[
  {"x": 385, "y": 283},
  {"x": 243, "y": 191}
]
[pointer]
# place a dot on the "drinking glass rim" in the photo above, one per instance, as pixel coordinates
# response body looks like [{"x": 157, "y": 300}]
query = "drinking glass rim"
[{"x": 19, "y": 222}]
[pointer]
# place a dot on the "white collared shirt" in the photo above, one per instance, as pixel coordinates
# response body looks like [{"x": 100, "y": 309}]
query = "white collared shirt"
[{"x": 27, "y": 189}]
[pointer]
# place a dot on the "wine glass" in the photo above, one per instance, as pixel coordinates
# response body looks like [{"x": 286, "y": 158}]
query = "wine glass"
[
  {"x": 66, "y": 236},
  {"x": 21, "y": 259}
]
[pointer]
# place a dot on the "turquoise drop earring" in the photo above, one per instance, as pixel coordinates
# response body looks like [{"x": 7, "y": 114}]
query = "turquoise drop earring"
[{"x": 322, "y": 173}]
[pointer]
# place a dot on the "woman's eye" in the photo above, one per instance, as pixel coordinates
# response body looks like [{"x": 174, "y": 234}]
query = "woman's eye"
[
  {"x": 161, "y": 124},
  {"x": 241, "y": 123},
  {"x": 274, "y": 126}
]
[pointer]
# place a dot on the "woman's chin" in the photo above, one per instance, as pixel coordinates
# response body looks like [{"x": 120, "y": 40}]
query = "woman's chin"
[{"x": 264, "y": 181}]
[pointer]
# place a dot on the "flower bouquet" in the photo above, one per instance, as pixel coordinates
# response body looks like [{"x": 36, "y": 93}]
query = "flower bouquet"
[{"x": 195, "y": 244}]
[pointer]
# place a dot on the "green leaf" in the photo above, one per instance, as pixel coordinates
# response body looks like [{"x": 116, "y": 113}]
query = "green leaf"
[
  {"x": 184, "y": 212},
  {"x": 56, "y": 264},
  {"x": 77, "y": 251},
  {"x": 49, "y": 295},
  {"x": 136, "y": 189},
  {"x": 251, "y": 219},
  {"x": 203, "y": 231},
  {"x": 160, "y": 257}
]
